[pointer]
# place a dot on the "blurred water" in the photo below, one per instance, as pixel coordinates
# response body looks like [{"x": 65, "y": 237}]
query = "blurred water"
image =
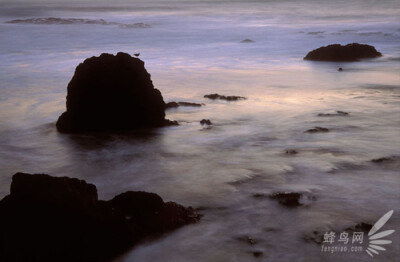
[{"x": 192, "y": 49}]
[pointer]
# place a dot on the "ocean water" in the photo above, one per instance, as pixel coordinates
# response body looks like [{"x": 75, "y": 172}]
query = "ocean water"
[{"x": 193, "y": 48}]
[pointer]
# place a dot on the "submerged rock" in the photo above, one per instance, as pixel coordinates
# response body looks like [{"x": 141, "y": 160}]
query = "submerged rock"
[
  {"x": 178, "y": 104},
  {"x": 112, "y": 93},
  {"x": 340, "y": 69},
  {"x": 287, "y": 199},
  {"x": 291, "y": 152},
  {"x": 48, "y": 218},
  {"x": 205, "y": 122},
  {"x": 258, "y": 253},
  {"x": 338, "y": 113},
  {"x": 318, "y": 129},
  {"x": 222, "y": 97},
  {"x": 385, "y": 160},
  {"x": 364, "y": 227},
  {"x": 338, "y": 53},
  {"x": 247, "y": 40},
  {"x": 316, "y": 237}
]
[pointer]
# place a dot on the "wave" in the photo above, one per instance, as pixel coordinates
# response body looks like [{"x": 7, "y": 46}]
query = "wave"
[{"x": 73, "y": 21}]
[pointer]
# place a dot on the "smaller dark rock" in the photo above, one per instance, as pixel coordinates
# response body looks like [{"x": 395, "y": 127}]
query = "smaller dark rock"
[
  {"x": 258, "y": 195},
  {"x": 178, "y": 104},
  {"x": 338, "y": 113},
  {"x": 247, "y": 239},
  {"x": 291, "y": 152},
  {"x": 383, "y": 160},
  {"x": 287, "y": 199},
  {"x": 205, "y": 122},
  {"x": 315, "y": 237},
  {"x": 222, "y": 97},
  {"x": 257, "y": 253},
  {"x": 364, "y": 227},
  {"x": 247, "y": 40},
  {"x": 318, "y": 129},
  {"x": 340, "y": 69}
]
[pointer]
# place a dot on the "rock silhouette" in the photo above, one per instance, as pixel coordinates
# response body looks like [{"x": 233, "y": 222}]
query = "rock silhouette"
[
  {"x": 222, "y": 97},
  {"x": 287, "y": 199},
  {"x": 247, "y": 40},
  {"x": 206, "y": 122},
  {"x": 318, "y": 129},
  {"x": 338, "y": 113},
  {"x": 339, "y": 53},
  {"x": 112, "y": 93},
  {"x": 178, "y": 104},
  {"x": 48, "y": 218}
]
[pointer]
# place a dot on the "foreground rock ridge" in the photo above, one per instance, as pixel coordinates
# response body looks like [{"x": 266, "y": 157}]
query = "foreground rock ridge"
[
  {"x": 343, "y": 53},
  {"x": 47, "y": 218},
  {"x": 112, "y": 93}
]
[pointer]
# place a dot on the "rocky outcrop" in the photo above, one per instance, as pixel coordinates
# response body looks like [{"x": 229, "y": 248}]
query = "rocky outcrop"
[
  {"x": 247, "y": 40},
  {"x": 222, "y": 97},
  {"x": 287, "y": 199},
  {"x": 112, "y": 93},
  {"x": 291, "y": 152},
  {"x": 338, "y": 113},
  {"x": 339, "y": 53},
  {"x": 178, "y": 104},
  {"x": 318, "y": 129},
  {"x": 48, "y": 218},
  {"x": 206, "y": 122}
]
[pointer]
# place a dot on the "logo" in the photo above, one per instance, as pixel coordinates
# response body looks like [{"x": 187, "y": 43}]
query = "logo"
[
  {"x": 355, "y": 242},
  {"x": 375, "y": 241}
]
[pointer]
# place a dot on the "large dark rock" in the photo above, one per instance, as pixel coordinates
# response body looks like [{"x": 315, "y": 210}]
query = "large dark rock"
[
  {"x": 338, "y": 53},
  {"x": 112, "y": 93},
  {"x": 60, "y": 219}
]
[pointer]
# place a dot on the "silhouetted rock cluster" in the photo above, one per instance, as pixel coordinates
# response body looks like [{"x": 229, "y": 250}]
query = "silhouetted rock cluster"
[
  {"x": 48, "y": 218},
  {"x": 222, "y": 97},
  {"x": 338, "y": 53},
  {"x": 112, "y": 93}
]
